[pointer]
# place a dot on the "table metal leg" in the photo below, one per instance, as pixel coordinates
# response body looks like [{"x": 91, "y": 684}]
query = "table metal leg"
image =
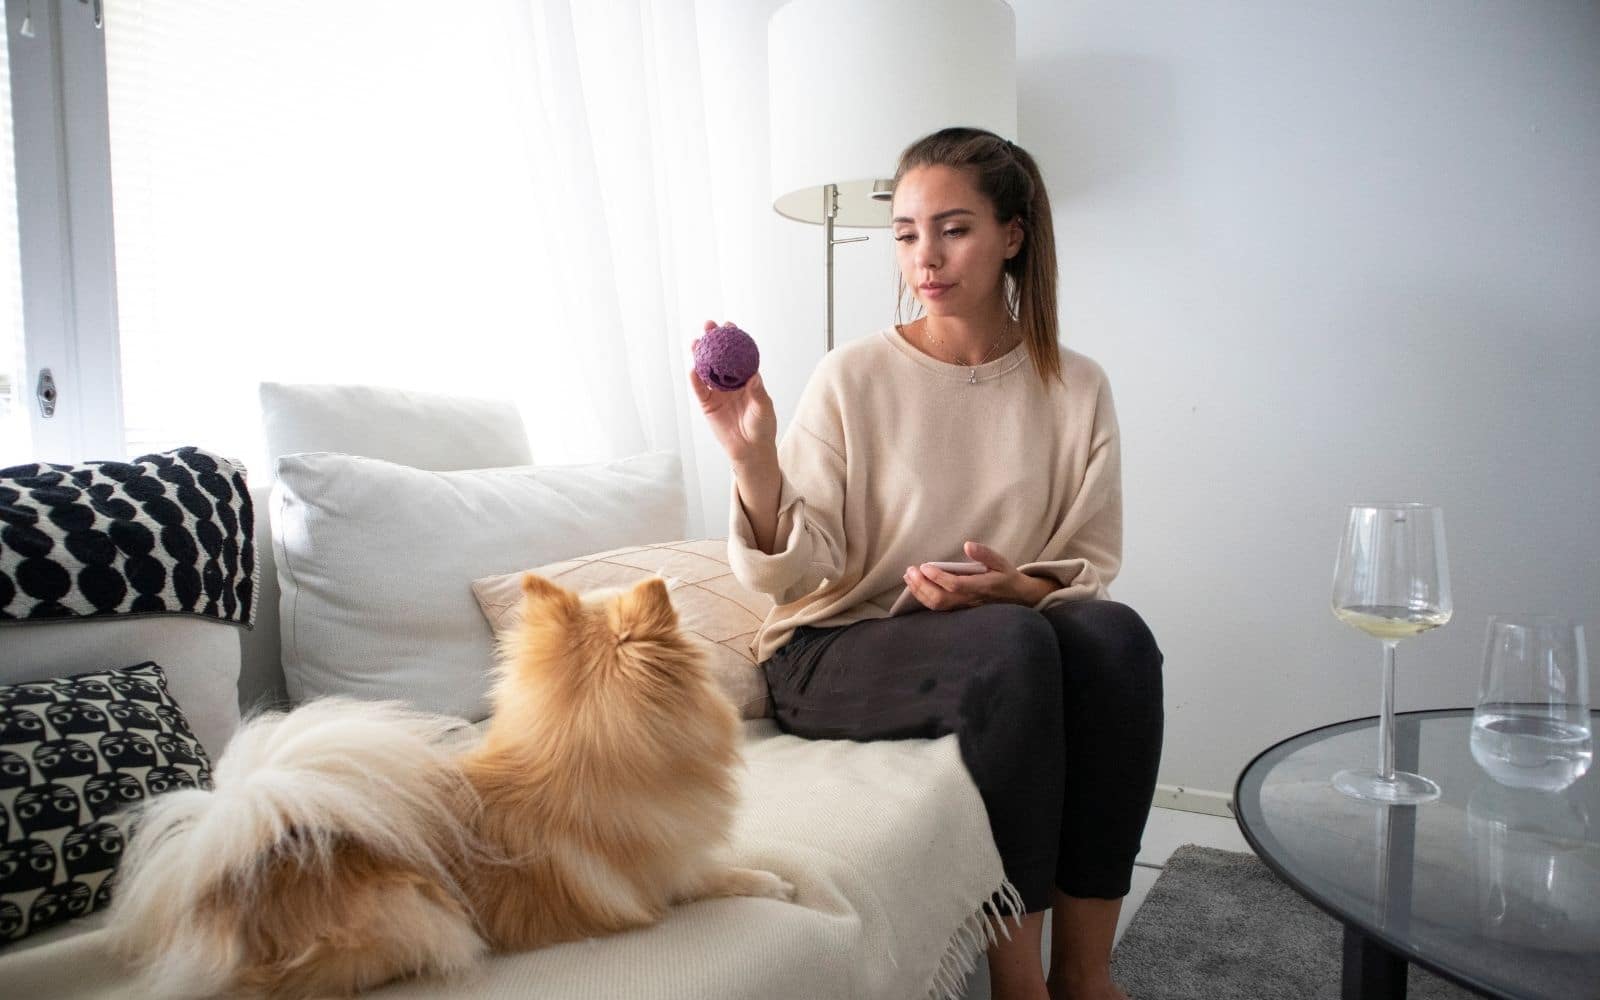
[{"x": 1371, "y": 971}]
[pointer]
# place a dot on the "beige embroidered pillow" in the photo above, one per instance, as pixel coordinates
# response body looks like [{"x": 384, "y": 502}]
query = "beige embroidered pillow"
[{"x": 710, "y": 603}]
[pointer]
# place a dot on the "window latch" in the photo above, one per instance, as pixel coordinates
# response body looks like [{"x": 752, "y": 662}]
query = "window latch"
[{"x": 47, "y": 393}]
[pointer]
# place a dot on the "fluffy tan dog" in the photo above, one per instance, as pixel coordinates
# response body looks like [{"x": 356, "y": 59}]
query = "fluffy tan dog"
[
  {"x": 606, "y": 776},
  {"x": 346, "y": 844}
]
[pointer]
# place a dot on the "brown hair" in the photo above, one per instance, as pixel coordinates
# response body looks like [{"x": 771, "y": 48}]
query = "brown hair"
[{"x": 1009, "y": 177}]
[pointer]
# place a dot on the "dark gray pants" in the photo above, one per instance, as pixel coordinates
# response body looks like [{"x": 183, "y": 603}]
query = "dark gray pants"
[{"x": 1058, "y": 714}]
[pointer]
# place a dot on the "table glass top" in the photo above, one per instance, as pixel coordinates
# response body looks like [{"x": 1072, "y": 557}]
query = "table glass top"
[{"x": 1495, "y": 886}]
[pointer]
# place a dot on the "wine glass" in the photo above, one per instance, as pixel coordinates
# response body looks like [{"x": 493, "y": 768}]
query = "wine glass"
[{"x": 1391, "y": 580}]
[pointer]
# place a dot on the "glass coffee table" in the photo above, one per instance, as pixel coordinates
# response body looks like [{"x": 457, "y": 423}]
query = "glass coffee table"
[{"x": 1491, "y": 887}]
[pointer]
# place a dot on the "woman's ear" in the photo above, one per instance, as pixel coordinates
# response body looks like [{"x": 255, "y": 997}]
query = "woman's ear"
[{"x": 1016, "y": 235}]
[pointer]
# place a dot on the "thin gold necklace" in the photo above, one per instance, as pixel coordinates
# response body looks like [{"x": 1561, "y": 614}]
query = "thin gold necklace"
[{"x": 972, "y": 370}]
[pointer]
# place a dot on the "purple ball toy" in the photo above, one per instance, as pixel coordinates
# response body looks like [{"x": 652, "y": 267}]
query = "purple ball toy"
[{"x": 725, "y": 358}]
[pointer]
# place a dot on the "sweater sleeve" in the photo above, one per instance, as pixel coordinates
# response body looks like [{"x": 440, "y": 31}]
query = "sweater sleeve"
[
  {"x": 1089, "y": 536},
  {"x": 809, "y": 540}
]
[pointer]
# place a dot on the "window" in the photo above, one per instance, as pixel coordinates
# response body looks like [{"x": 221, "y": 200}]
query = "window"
[{"x": 503, "y": 199}]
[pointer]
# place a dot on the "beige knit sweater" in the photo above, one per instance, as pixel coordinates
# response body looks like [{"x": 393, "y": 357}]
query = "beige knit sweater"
[{"x": 893, "y": 459}]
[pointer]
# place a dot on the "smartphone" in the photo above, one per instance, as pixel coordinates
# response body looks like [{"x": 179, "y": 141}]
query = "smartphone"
[
  {"x": 961, "y": 568},
  {"x": 906, "y": 602}
]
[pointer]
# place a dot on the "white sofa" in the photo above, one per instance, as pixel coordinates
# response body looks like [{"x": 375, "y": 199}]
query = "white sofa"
[{"x": 887, "y": 843}]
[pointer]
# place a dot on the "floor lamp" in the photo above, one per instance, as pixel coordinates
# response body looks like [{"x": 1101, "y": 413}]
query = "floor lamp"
[{"x": 851, "y": 83}]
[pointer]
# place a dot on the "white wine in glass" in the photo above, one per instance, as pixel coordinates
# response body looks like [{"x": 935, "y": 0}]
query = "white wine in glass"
[
  {"x": 1389, "y": 621},
  {"x": 1391, "y": 580}
]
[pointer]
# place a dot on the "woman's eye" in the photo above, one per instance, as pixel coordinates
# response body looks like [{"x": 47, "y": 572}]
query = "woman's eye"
[
  {"x": 903, "y": 237},
  {"x": 955, "y": 232}
]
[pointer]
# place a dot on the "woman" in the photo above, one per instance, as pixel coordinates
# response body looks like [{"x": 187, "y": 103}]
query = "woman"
[{"x": 970, "y": 434}]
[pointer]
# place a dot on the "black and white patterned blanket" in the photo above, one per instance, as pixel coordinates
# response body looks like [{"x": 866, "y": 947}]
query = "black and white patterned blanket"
[{"x": 170, "y": 533}]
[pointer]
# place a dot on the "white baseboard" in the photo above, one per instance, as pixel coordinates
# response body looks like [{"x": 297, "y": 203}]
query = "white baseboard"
[{"x": 1197, "y": 800}]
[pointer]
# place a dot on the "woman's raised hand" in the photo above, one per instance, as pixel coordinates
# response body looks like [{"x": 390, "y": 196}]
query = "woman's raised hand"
[{"x": 743, "y": 420}]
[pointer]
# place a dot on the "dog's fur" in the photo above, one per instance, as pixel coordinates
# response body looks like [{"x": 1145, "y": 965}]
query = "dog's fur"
[{"x": 346, "y": 844}]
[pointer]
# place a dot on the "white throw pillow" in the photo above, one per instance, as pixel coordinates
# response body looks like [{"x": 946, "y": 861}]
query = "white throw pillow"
[
  {"x": 376, "y": 562},
  {"x": 420, "y": 429},
  {"x": 425, "y": 430}
]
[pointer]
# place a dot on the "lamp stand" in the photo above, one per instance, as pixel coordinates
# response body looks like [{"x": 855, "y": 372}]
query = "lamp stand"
[{"x": 830, "y": 208}]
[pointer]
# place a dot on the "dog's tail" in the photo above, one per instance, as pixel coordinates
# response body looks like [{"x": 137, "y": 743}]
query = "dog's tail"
[{"x": 297, "y": 793}]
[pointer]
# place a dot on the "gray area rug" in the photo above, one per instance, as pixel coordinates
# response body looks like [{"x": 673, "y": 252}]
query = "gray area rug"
[{"x": 1220, "y": 924}]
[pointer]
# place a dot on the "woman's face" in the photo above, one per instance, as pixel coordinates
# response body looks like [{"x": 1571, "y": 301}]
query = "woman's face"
[{"x": 951, "y": 250}]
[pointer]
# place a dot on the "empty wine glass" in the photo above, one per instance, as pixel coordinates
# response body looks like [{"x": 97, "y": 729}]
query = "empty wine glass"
[
  {"x": 1531, "y": 727},
  {"x": 1391, "y": 580}
]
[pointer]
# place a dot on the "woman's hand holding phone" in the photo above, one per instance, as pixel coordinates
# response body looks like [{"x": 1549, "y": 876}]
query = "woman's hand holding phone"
[{"x": 990, "y": 578}]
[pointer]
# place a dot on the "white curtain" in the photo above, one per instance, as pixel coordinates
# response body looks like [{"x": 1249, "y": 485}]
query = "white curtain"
[{"x": 501, "y": 198}]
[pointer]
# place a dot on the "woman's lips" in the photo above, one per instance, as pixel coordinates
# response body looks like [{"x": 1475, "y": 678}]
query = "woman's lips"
[{"x": 934, "y": 290}]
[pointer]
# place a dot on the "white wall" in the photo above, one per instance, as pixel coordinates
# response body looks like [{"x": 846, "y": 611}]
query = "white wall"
[{"x": 1326, "y": 252}]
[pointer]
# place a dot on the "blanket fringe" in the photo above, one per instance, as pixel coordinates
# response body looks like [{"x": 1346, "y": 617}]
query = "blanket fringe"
[{"x": 983, "y": 928}]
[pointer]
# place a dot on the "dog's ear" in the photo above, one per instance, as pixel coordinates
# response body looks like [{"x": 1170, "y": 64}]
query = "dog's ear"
[
  {"x": 541, "y": 597},
  {"x": 645, "y": 612}
]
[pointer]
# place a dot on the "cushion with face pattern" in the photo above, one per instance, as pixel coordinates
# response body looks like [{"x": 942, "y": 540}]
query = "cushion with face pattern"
[{"x": 75, "y": 753}]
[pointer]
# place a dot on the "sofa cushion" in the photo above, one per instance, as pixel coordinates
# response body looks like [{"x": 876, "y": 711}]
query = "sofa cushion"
[
  {"x": 424, "y": 430},
  {"x": 165, "y": 533},
  {"x": 420, "y": 429},
  {"x": 712, "y": 606},
  {"x": 376, "y": 561},
  {"x": 74, "y": 751}
]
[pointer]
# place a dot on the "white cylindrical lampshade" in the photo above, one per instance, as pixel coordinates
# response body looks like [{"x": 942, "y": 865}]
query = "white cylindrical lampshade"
[{"x": 853, "y": 82}]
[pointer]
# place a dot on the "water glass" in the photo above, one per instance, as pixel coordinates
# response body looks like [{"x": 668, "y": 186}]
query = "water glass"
[{"x": 1531, "y": 726}]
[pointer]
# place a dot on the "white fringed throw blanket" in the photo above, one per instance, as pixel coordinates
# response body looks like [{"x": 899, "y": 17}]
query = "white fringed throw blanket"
[{"x": 887, "y": 844}]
